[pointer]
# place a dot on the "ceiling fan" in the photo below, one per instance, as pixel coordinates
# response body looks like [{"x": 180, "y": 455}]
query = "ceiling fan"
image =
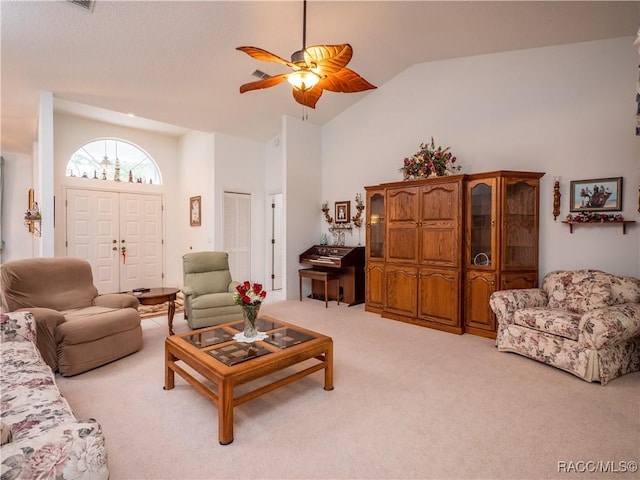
[{"x": 314, "y": 69}]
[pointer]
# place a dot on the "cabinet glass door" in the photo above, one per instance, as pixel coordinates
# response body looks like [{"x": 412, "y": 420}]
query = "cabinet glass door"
[
  {"x": 481, "y": 224},
  {"x": 520, "y": 231},
  {"x": 376, "y": 226}
]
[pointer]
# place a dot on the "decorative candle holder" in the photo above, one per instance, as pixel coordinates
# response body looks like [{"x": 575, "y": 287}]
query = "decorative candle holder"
[
  {"x": 325, "y": 210},
  {"x": 357, "y": 219},
  {"x": 556, "y": 198},
  {"x": 32, "y": 217}
]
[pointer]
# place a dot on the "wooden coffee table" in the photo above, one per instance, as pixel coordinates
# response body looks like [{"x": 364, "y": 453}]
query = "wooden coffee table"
[
  {"x": 156, "y": 296},
  {"x": 213, "y": 353}
]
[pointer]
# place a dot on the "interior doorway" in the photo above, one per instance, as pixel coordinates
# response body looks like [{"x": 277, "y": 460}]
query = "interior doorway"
[{"x": 276, "y": 241}]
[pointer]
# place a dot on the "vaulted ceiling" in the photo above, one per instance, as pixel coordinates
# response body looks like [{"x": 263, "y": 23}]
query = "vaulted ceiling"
[{"x": 174, "y": 64}]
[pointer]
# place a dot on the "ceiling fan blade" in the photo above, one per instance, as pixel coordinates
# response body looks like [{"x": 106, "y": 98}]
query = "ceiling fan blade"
[
  {"x": 345, "y": 81},
  {"x": 308, "y": 98},
  {"x": 260, "y": 54},
  {"x": 266, "y": 83},
  {"x": 328, "y": 59}
]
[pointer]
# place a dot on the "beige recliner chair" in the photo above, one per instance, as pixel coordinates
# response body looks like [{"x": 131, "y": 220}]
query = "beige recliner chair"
[
  {"x": 76, "y": 329},
  {"x": 208, "y": 290}
]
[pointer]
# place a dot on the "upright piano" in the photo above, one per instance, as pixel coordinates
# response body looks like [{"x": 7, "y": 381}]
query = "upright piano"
[{"x": 348, "y": 262}]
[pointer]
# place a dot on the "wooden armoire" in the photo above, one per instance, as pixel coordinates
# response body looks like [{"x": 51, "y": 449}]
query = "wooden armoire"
[{"x": 437, "y": 248}]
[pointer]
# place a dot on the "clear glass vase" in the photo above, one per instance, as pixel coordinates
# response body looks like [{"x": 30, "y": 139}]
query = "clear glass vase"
[{"x": 250, "y": 313}]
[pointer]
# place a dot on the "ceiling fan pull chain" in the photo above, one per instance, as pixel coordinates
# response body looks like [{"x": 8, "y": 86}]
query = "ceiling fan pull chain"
[{"x": 304, "y": 25}]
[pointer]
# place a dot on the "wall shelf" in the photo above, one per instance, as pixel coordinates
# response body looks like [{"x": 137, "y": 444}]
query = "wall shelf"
[{"x": 622, "y": 223}]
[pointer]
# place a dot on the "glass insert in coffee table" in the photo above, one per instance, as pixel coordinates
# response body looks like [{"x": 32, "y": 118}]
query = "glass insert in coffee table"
[{"x": 278, "y": 335}]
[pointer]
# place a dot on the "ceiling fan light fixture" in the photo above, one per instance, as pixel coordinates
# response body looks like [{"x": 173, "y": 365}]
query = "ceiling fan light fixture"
[
  {"x": 315, "y": 69},
  {"x": 303, "y": 80}
]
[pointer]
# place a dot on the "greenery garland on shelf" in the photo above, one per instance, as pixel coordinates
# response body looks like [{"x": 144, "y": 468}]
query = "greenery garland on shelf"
[{"x": 594, "y": 217}]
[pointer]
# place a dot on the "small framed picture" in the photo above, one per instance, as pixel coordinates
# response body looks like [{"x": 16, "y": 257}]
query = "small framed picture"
[
  {"x": 596, "y": 195},
  {"x": 195, "y": 211},
  {"x": 343, "y": 212}
]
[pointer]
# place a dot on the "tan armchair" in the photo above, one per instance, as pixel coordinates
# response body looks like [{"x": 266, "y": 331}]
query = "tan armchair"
[
  {"x": 208, "y": 290},
  {"x": 77, "y": 329}
]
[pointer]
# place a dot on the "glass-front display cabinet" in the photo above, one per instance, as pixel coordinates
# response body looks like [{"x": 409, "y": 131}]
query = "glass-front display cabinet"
[
  {"x": 502, "y": 228},
  {"x": 375, "y": 236},
  {"x": 481, "y": 222},
  {"x": 520, "y": 234}
]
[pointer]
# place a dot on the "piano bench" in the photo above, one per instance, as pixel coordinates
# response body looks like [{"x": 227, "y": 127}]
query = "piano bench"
[{"x": 321, "y": 276}]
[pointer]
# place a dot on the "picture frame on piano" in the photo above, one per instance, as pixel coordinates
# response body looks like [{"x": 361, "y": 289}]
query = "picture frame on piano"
[{"x": 342, "y": 214}]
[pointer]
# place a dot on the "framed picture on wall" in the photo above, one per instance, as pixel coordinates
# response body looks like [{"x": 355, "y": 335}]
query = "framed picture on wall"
[
  {"x": 596, "y": 195},
  {"x": 342, "y": 213},
  {"x": 195, "y": 211}
]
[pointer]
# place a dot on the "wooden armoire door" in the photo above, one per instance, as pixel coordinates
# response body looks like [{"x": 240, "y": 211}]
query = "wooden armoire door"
[
  {"x": 402, "y": 206},
  {"x": 439, "y": 298},
  {"x": 440, "y": 226},
  {"x": 401, "y": 290},
  {"x": 374, "y": 286},
  {"x": 403, "y": 210}
]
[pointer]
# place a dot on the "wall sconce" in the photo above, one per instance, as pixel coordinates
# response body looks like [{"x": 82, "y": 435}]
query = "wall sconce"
[
  {"x": 357, "y": 219},
  {"x": 32, "y": 217},
  {"x": 556, "y": 198},
  {"x": 325, "y": 210}
]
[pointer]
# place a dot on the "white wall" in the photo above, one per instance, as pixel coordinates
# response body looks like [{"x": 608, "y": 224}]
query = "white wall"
[
  {"x": 274, "y": 175},
  {"x": 301, "y": 218},
  {"x": 240, "y": 167},
  {"x": 44, "y": 191},
  {"x": 274, "y": 172},
  {"x": 196, "y": 179},
  {"x": 18, "y": 179},
  {"x": 567, "y": 111}
]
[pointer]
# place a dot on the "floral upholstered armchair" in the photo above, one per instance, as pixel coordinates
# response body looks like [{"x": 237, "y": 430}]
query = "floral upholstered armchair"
[{"x": 586, "y": 322}]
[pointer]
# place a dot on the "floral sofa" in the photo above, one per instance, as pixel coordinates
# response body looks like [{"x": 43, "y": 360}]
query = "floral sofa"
[
  {"x": 586, "y": 322},
  {"x": 41, "y": 438}
]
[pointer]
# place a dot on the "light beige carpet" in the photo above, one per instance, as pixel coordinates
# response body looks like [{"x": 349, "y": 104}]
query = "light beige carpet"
[{"x": 409, "y": 402}]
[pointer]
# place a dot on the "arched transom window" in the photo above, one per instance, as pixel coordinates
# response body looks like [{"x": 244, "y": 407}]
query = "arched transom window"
[{"x": 113, "y": 160}]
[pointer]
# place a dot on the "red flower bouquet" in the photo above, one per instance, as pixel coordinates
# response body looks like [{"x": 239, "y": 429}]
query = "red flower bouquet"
[{"x": 247, "y": 294}]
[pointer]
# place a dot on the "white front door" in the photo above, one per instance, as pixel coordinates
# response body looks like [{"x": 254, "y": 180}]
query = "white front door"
[
  {"x": 93, "y": 234},
  {"x": 141, "y": 235},
  {"x": 120, "y": 234}
]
